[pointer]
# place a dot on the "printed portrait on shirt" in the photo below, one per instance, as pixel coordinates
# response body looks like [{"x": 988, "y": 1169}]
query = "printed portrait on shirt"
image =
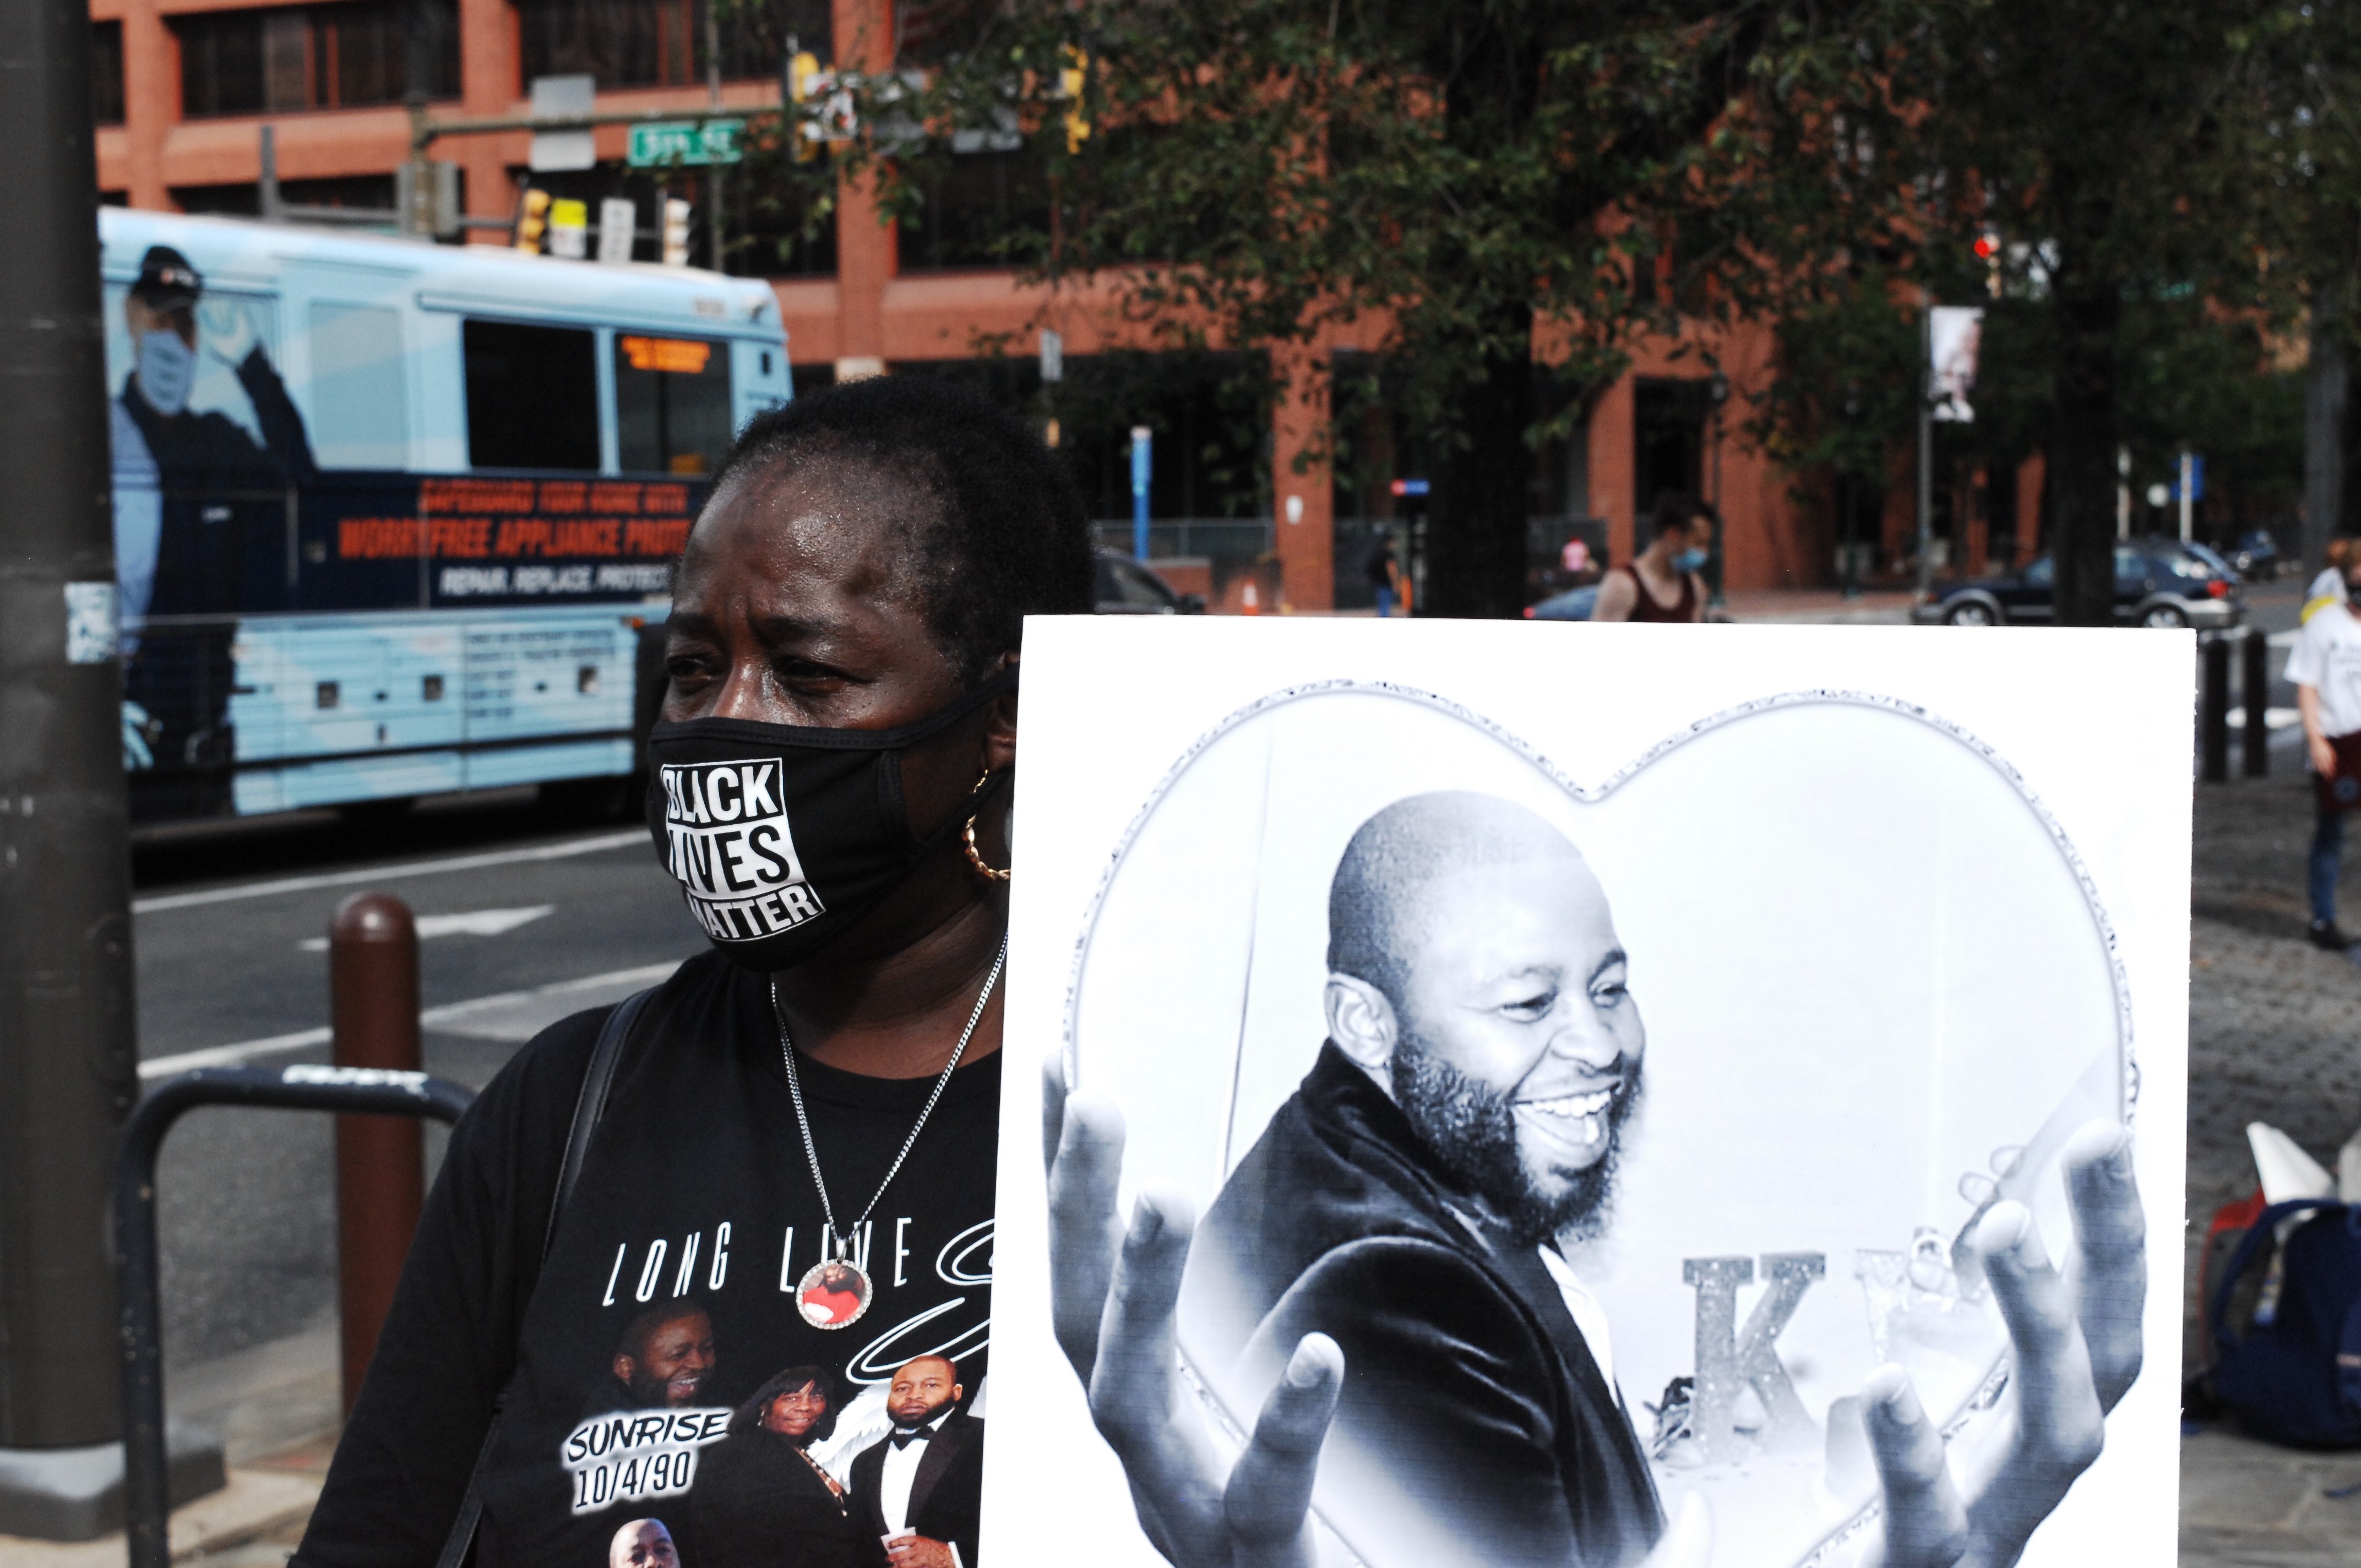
[{"x": 670, "y": 1370}]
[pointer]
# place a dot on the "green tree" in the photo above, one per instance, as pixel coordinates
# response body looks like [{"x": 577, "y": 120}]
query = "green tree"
[
  {"x": 2114, "y": 152},
  {"x": 1473, "y": 176}
]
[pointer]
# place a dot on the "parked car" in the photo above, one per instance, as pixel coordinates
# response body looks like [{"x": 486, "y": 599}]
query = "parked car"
[
  {"x": 2215, "y": 559},
  {"x": 2159, "y": 581},
  {"x": 2257, "y": 555},
  {"x": 1125, "y": 586}
]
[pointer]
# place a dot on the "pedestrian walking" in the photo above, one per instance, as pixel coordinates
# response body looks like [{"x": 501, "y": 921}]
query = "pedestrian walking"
[
  {"x": 1662, "y": 583},
  {"x": 2325, "y": 669},
  {"x": 1384, "y": 572},
  {"x": 2328, "y": 588}
]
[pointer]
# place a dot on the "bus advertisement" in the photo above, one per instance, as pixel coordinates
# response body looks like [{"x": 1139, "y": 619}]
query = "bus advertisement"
[{"x": 394, "y": 519}]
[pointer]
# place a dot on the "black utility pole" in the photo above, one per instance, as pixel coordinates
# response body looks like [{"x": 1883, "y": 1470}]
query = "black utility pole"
[{"x": 68, "y": 1073}]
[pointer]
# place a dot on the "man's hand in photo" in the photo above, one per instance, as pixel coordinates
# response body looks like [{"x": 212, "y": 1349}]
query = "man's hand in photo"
[
  {"x": 2077, "y": 1340},
  {"x": 1113, "y": 1293},
  {"x": 2078, "y": 1343},
  {"x": 920, "y": 1551}
]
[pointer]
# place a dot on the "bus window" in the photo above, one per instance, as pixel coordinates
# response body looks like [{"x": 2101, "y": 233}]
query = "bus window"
[
  {"x": 360, "y": 413},
  {"x": 533, "y": 396},
  {"x": 672, "y": 403}
]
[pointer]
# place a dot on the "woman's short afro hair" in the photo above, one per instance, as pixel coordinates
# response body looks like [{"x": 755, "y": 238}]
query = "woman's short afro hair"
[{"x": 1008, "y": 537}]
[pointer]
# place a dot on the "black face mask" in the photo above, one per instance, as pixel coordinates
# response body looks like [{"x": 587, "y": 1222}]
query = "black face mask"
[{"x": 783, "y": 835}]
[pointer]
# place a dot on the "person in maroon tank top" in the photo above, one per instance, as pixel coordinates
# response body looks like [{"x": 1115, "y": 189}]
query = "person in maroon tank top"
[{"x": 1662, "y": 583}]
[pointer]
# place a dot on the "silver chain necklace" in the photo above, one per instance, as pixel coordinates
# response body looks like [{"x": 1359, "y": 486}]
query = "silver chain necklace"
[{"x": 835, "y": 1291}]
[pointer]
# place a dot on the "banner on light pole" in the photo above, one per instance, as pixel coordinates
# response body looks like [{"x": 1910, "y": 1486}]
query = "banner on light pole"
[{"x": 1955, "y": 339}]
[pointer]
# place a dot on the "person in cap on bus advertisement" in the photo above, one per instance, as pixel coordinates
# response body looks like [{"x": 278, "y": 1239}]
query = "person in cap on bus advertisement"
[
  {"x": 175, "y": 553},
  {"x": 190, "y": 449}
]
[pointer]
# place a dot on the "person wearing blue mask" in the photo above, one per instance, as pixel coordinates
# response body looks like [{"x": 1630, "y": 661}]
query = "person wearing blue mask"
[
  {"x": 192, "y": 450},
  {"x": 183, "y": 537},
  {"x": 1662, "y": 583}
]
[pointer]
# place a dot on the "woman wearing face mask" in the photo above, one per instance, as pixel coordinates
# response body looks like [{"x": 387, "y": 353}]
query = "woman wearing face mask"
[
  {"x": 795, "y": 1160},
  {"x": 1662, "y": 583},
  {"x": 760, "y": 1499}
]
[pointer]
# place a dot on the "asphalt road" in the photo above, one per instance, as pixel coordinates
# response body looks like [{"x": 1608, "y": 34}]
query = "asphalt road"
[{"x": 526, "y": 917}]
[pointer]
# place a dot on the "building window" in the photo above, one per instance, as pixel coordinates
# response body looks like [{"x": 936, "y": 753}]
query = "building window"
[
  {"x": 317, "y": 57},
  {"x": 980, "y": 202},
  {"x": 106, "y": 74},
  {"x": 533, "y": 396},
  {"x": 371, "y": 190},
  {"x": 656, "y": 43}
]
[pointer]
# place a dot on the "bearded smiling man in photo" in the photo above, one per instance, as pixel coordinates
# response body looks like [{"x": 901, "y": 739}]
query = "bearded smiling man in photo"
[
  {"x": 1408, "y": 1200},
  {"x": 1382, "y": 1275}
]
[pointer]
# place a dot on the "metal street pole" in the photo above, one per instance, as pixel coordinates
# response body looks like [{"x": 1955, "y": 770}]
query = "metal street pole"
[
  {"x": 1142, "y": 448},
  {"x": 1926, "y": 445},
  {"x": 1717, "y": 571},
  {"x": 67, "y": 1044}
]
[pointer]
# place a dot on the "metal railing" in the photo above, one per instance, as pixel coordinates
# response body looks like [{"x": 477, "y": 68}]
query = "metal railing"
[{"x": 348, "y": 1089}]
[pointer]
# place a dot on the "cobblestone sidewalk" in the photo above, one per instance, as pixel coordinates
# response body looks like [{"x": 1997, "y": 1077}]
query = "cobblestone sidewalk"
[{"x": 2274, "y": 1035}]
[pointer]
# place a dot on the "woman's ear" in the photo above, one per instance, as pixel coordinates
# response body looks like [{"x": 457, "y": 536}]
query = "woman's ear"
[
  {"x": 1361, "y": 1021},
  {"x": 999, "y": 740}
]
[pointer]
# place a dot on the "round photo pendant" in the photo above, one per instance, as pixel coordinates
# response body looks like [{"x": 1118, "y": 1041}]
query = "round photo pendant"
[{"x": 833, "y": 1295}]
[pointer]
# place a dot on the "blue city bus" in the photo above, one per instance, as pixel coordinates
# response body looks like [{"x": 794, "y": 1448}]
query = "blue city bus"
[{"x": 394, "y": 519}]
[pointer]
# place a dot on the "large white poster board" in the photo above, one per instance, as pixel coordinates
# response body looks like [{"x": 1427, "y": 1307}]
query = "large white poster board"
[{"x": 1883, "y": 916}]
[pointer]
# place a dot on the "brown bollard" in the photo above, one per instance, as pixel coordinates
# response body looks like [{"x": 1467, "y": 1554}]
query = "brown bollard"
[{"x": 380, "y": 1160}]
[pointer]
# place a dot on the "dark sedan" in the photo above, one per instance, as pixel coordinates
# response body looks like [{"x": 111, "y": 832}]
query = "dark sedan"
[
  {"x": 2159, "y": 581},
  {"x": 1125, "y": 586}
]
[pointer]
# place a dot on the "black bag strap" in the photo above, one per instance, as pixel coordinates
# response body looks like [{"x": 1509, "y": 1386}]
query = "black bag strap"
[
  {"x": 589, "y": 1104},
  {"x": 2259, "y": 1233}
]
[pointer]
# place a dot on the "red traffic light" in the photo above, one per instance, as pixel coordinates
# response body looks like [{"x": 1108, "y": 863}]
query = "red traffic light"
[{"x": 1986, "y": 248}]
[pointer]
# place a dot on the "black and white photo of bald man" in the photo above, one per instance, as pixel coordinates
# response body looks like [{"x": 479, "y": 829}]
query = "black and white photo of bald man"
[{"x": 1410, "y": 1206}]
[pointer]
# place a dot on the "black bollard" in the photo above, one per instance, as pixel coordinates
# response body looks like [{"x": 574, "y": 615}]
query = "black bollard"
[
  {"x": 2254, "y": 690},
  {"x": 2213, "y": 711}
]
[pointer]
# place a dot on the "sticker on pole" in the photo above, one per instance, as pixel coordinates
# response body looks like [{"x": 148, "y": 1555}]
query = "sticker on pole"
[{"x": 94, "y": 623}]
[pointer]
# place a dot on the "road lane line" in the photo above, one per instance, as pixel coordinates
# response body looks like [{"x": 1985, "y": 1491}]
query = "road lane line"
[
  {"x": 447, "y": 1016},
  {"x": 468, "y": 923},
  {"x": 559, "y": 851},
  {"x": 231, "y": 1056}
]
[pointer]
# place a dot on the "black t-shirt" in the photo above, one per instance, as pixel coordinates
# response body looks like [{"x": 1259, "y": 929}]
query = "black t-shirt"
[{"x": 668, "y": 1296}]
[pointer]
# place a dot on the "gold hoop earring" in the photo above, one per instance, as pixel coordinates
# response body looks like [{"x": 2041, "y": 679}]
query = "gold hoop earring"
[{"x": 975, "y": 857}]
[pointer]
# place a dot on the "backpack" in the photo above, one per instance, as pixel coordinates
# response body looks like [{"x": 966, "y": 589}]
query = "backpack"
[{"x": 2293, "y": 1375}]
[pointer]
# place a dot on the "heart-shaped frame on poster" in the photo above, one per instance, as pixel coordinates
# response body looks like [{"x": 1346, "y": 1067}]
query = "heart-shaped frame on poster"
[{"x": 1879, "y": 993}]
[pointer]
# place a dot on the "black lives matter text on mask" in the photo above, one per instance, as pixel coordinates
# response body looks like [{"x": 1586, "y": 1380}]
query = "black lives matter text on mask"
[{"x": 726, "y": 839}]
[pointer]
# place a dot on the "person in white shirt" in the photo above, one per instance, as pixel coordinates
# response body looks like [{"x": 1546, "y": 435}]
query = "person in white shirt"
[
  {"x": 2325, "y": 669},
  {"x": 2328, "y": 588}
]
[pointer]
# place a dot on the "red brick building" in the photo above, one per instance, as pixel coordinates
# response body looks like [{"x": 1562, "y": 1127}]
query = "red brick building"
[{"x": 184, "y": 87}]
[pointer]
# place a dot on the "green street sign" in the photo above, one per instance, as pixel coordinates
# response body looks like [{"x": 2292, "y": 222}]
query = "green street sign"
[{"x": 685, "y": 141}]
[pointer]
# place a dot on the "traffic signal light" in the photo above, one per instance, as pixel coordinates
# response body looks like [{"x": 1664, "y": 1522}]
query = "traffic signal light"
[
  {"x": 1070, "y": 80},
  {"x": 676, "y": 232},
  {"x": 532, "y": 220},
  {"x": 569, "y": 229},
  {"x": 803, "y": 74}
]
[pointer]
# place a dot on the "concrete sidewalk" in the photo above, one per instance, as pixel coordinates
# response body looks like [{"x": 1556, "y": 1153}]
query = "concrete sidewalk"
[{"x": 2247, "y": 1505}]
